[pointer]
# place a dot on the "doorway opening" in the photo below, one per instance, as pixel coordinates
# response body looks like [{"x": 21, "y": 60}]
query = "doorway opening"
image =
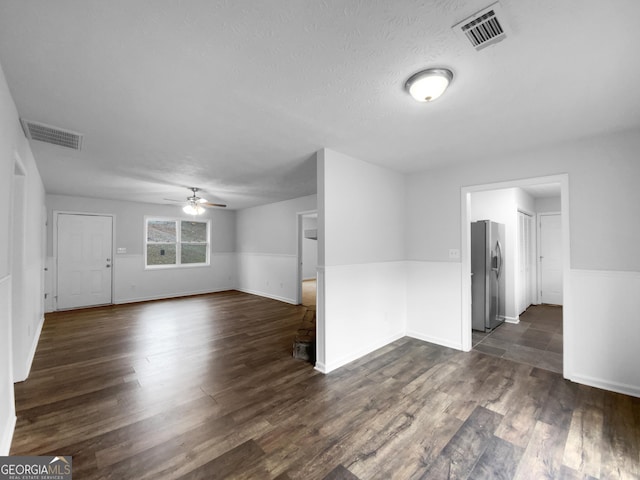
[
  {"x": 307, "y": 258},
  {"x": 304, "y": 344},
  {"x": 535, "y": 323}
]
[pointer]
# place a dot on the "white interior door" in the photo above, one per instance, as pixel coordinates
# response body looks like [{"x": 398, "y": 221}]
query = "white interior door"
[
  {"x": 84, "y": 260},
  {"x": 551, "y": 259}
]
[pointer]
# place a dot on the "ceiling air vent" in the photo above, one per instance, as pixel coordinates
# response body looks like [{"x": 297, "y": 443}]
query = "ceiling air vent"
[
  {"x": 484, "y": 28},
  {"x": 50, "y": 134}
]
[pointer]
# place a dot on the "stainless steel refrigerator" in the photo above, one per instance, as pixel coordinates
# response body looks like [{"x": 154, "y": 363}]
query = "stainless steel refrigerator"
[{"x": 487, "y": 280}]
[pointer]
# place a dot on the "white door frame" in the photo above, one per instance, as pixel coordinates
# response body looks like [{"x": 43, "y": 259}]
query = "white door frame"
[
  {"x": 300, "y": 233},
  {"x": 55, "y": 249},
  {"x": 18, "y": 322},
  {"x": 465, "y": 230}
]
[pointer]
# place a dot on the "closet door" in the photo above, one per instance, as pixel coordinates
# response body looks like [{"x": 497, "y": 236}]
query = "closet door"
[
  {"x": 551, "y": 259},
  {"x": 525, "y": 263}
]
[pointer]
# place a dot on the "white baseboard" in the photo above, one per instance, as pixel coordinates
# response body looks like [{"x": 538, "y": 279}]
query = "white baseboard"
[
  {"x": 358, "y": 354},
  {"x": 173, "y": 295},
  {"x": 32, "y": 352},
  {"x": 7, "y": 434},
  {"x": 515, "y": 320},
  {"x": 631, "y": 390},
  {"x": 268, "y": 295},
  {"x": 601, "y": 334},
  {"x": 438, "y": 341},
  {"x": 320, "y": 367}
]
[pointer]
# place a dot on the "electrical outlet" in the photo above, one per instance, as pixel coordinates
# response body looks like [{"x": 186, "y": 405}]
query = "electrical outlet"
[{"x": 454, "y": 253}]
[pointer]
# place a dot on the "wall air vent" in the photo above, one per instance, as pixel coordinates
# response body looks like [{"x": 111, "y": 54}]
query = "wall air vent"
[
  {"x": 485, "y": 28},
  {"x": 50, "y": 134}
]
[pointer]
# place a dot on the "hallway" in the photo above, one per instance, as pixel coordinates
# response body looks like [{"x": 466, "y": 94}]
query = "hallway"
[
  {"x": 309, "y": 293},
  {"x": 536, "y": 340}
]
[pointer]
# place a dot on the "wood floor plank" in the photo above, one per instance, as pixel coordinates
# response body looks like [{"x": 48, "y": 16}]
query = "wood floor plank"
[
  {"x": 340, "y": 473},
  {"x": 283, "y": 476},
  {"x": 460, "y": 455},
  {"x": 620, "y": 437},
  {"x": 405, "y": 447},
  {"x": 560, "y": 403},
  {"x": 542, "y": 458},
  {"x": 567, "y": 473},
  {"x": 184, "y": 453},
  {"x": 337, "y": 426},
  {"x": 140, "y": 436},
  {"x": 518, "y": 423},
  {"x": 226, "y": 464},
  {"x": 582, "y": 451},
  {"x": 508, "y": 383},
  {"x": 498, "y": 462},
  {"x": 206, "y": 387}
]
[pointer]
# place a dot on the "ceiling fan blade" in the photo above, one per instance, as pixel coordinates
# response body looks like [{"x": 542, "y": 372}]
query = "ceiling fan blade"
[
  {"x": 208, "y": 204},
  {"x": 172, "y": 200}
]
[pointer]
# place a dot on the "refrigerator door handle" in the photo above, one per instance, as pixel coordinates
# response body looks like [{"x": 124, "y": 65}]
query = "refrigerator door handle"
[{"x": 499, "y": 255}]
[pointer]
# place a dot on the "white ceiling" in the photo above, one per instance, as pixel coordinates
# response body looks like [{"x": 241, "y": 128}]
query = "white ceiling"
[{"x": 236, "y": 96}]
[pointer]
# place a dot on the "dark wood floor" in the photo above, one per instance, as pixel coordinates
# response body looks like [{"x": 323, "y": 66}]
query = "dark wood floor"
[{"x": 205, "y": 387}]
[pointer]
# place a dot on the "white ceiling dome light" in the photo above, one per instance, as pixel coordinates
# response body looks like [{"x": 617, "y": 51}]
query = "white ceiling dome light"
[{"x": 427, "y": 85}]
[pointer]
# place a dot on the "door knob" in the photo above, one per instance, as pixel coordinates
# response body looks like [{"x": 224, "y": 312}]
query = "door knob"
[{"x": 108, "y": 266}]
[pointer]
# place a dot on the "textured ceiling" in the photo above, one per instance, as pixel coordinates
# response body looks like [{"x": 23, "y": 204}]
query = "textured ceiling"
[{"x": 236, "y": 96}]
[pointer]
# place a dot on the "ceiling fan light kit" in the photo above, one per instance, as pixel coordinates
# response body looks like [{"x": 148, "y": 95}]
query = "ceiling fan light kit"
[
  {"x": 195, "y": 204},
  {"x": 429, "y": 84},
  {"x": 193, "y": 209}
]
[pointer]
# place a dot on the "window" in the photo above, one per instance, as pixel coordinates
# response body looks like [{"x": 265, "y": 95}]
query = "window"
[{"x": 174, "y": 243}]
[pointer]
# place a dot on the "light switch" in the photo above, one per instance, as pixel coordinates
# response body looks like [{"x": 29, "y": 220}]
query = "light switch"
[
  {"x": 121, "y": 250},
  {"x": 454, "y": 253}
]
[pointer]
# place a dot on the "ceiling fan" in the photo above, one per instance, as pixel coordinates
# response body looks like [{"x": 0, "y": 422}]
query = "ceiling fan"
[{"x": 195, "y": 205}]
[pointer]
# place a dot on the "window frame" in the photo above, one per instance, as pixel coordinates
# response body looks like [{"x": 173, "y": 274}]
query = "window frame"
[{"x": 178, "y": 242}]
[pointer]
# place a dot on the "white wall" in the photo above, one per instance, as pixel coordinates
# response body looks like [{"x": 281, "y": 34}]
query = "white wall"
[
  {"x": 361, "y": 272},
  {"x": 267, "y": 243},
  {"x": 547, "y": 204},
  {"x": 131, "y": 282},
  {"x": 525, "y": 202},
  {"x": 309, "y": 249},
  {"x": 605, "y": 332},
  {"x": 18, "y": 334},
  {"x": 603, "y": 175}
]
